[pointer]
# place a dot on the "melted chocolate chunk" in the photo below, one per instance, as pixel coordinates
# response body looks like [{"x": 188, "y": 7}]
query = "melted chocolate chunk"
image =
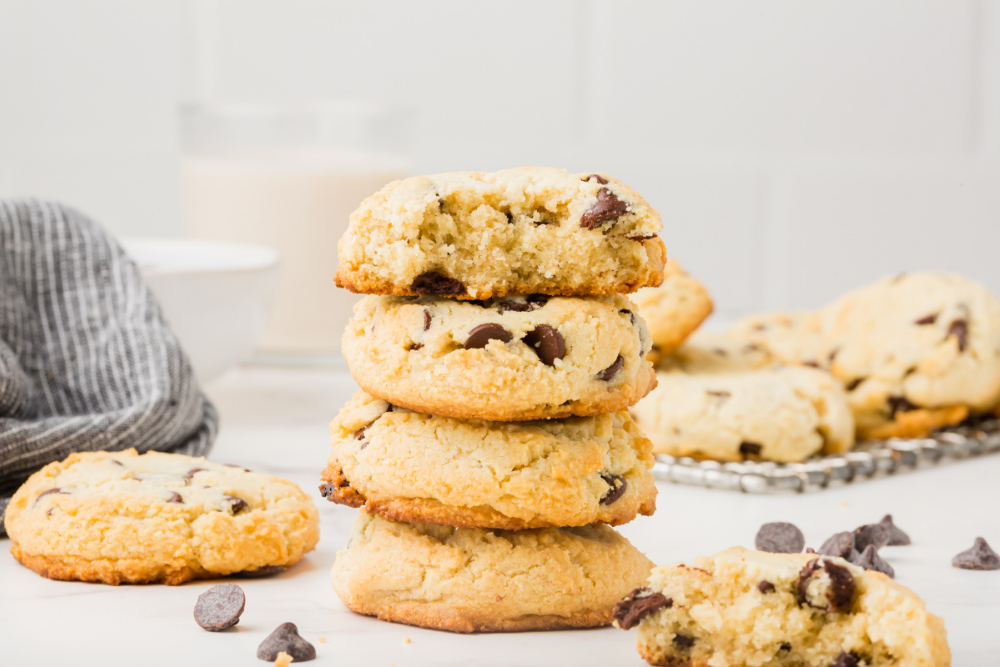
[
  {"x": 874, "y": 534},
  {"x": 765, "y": 586},
  {"x": 540, "y": 299},
  {"x": 116, "y": 462},
  {"x": 853, "y": 384},
  {"x": 840, "y": 545},
  {"x": 617, "y": 490},
  {"x": 960, "y": 330},
  {"x": 190, "y": 473},
  {"x": 637, "y": 605},
  {"x": 326, "y": 490},
  {"x": 547, "y": 343},
  {"x": 750, "y": 449},
  {"x": 427, "y": 319},
  {"x": 175, "y": 498},
  {"x": 484, "y": 333},
  {"x": 516, "y": 306},
  {"x": 640, "y": 237},
  {"x": 237, "y": 505},
  {"x": 780, "y": 538},
  {"x": 897, "y": 538},
  {"x": 433, "y": 283},
  {"x": 683, "y": 642},
  {"x": 48, "y": 492},
  {"x": 219, "y": 607},
  {"x": 600, "y": 179},
  {"x": 286, "y": 639},
  {"x": 608, "y": 207},
  {"x": 870, "y": 560},
  {"x": 611, "y": 371},
  {"x": 416, "y": 346},
  {"x": 841, "y": 589},
  {"x": 899, "y": 404},
  {"x": 845, "y": 660},
  {"x": 927, "y": 319},
  {"x": 979, "y": 557},
  {"x": 360, "y": 433}
]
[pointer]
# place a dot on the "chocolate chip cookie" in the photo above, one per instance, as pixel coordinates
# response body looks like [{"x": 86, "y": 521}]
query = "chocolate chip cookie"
[
  {"x": 408, "y": 466},
  {"x": 124, "y": 517},
  {"x": 791, "y": 338},
  {"x": 744, "y": 607},
  {"x": 472, "y": 579},
  {"x": 515, "y": 232},
  {"x": 505, "y": 359},
  {"x": 777, "y": 414},
  {"x": 673, "y": 310}
]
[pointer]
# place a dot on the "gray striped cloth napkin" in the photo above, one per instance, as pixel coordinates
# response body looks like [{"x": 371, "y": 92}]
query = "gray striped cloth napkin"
[{"x": 86, "y": 360}]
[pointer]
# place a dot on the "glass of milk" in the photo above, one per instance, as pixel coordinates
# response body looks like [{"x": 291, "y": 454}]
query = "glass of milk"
[{"x": 289, "y": 177}]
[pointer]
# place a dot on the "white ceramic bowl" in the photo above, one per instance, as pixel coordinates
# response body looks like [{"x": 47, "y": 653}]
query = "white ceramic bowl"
[{"x": 215, "y": 295}]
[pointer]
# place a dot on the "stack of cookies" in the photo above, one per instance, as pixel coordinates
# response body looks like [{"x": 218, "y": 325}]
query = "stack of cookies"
[{"x": 491, "y": 448}]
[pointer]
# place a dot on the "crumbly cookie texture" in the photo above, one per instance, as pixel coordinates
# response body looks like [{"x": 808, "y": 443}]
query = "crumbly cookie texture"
[
  {"x": 471, "y": 579},
  {"x": 408, "y": 466},
  {"x": 789, "y": 337},
  {"x": 745, "y": 607},
  {"x": 780, "y": 414},
  {"x": 510, "y": 359},
  {"x": 710, "y": 352},
  {"x": 916, "y": 352},
  {"x": 673, "y": 310},
  {"x": 514, "y": 232},
  {"x": 124, "y": 517}
]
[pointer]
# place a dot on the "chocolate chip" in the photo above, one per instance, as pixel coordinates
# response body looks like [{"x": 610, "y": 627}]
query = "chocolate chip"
[
  {"x": 265, "y": 571},
  {"x": 638, "y": 604},
  {"x": 547, "y": 343},
  {"x": 416, "y": 346},
  {"x": 540, "y": 299},
  {"x": 845, "y": 660},
  {"x": 608, "y": 207},
  {"x": 360, "y": 433},
  {"x": 516, "y": 306},
  {"x": 640, "y": 237},
  {"x": 897, "y": 538},
  {"x": 219, "y": 607},
  {"x": 427, "y": 319},
  {"x": 749, "y": 449},
  {"x": 236, "y": 505},
  {"x": 899, "y": 404},
  {"x": 510, "y": 217},
  {"x": 484, "y": 333},
  {"x": 765, "y": 586},
  {"x": 872, "y": 533},
  {"x": 779, "y": 538},
  {"x": 840, "y": 592},
  {"x": 600, "y": 179},
  {"x": 116, "y": 462},
  {"x": 683, "y": 642},
  {"x": 433, "y": 283},
  {"x": 723, "y": 394},
  {"x": 285, "y": 638},
  {"x": 617, "y": 490},
  {"x": 175, "y": 498},
  {"x": 608, "y": 373},
  {"x": 327, "y": 490},
  {"x": 833, "y": 355},
  {"x": 927, "y": 319},
  {"x": 48, "y": 492},
  {"x": 840, "y": 545},
  {"x": 190, "y": 473},
  {"x": 853, "y": 384},
  {"x": 979, "y": 557},
  {"x": 960, "y": 329},
  {"x": 811, "y": 363},
  {"x": 870, "y": 560}
]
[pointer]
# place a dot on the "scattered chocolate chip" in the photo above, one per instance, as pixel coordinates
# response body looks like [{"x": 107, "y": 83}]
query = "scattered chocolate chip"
[
  {"x": 190, "y": 473},
  {"x": 608, "y": 373},
  {"x": 285, "y": 638},
  {"x": 721, "y": 394},
  {"x": 617, "y": 490},
  {"x": 433, "y": 283},
  {"x": 219, "y": 607},
  {"x": 236, "y": 505},
  {"x": 416, "y": 346},
  {"x": 750, "y": 449},
  {"x": 510, "y": 217},
  {"x": 116, "y": 462},
  {"x": 765, "y": 586},
  {"x": 326, "y": 490},
  {"x": 845, "y": 660},
  {"x": 547, "y": 343},
  {"x": 640, "y": 237},
  {"x": 360, "y": 433},
  {"x": 600, "y": 179},
  {"x": 48, "y": 492},
  {"x": 840, "y": 545},
  {"x": 638, "y": 604},
  {"x": 779, "y": 538},
  {"x": 516, "y": 306},
  {"x": 840, "y": 592},
  {"x": 608, "y": 207},
  {"x": 979, "y": 557},
  {"x": 265, "y": 571},
  {"x": 427, "y": 319},
  {"x": 484, "y": 333},
  {"x": 959, "y": 329},
  {"x": 897, "y": 538},
  {"x": 811, "y": 363},
  {"x": 683, "y": 642},
  {"x": 872, "y": 533},
  {"x": 870, "y": 560},
  {"x": 853, "y": 384},
  {"x": 540, "y": 299},
  {"x": 927, "y": 319},
  {"x": 899, "y": 404},
  {"x": 785, "y": 646},
  {"x": 175, "y": 498}
]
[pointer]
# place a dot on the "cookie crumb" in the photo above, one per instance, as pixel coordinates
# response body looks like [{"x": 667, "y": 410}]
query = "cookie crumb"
[
  {"x": 406, "y": 640},
  {"x": 283, "y": 660},
  {"x": 321, "y": 640},
  {"x": 844, "y": 504}
]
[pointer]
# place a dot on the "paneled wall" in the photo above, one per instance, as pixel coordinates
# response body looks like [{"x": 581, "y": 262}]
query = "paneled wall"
[{"x": 795, "y": 149}]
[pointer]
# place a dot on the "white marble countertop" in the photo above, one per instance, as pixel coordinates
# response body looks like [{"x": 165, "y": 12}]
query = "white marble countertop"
[{"x": 275, "y": 420}]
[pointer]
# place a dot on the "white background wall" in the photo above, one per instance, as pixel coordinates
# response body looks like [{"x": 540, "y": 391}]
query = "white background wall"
[{"x": 795, "y": 149}]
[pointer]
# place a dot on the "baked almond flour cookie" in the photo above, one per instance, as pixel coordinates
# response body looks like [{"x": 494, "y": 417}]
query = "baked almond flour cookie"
[
  {"x": 673, "y": 310},
  {"x": 471, "y": 579},
  {"x": 779, "y": 414},
  {"x": 514, "y": 232},
  {"x": 408, "y": 466},
  {"x": 711, "y": 352},
  {"x": 798, "y": 610},
  {"x": 915, "y": 352},
  {"x": 123, "y": 517},
  {"x": 509, "y": 359},
  {"x": 789, "y": 337}
]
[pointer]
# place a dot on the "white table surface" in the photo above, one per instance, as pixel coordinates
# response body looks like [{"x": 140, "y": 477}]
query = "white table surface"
[{"x": 275, "y": 420}]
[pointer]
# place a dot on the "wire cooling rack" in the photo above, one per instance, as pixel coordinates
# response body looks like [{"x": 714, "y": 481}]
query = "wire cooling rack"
[{"x": 868, "y": 460}]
